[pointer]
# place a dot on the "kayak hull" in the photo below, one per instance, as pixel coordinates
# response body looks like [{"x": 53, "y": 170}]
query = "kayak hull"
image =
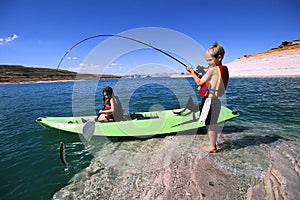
[{"x": 147, "y": 123}]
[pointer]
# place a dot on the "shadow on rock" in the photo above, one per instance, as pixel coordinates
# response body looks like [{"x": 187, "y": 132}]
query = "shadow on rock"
[
  {"x": 234, "y": 129},
  {"x": 251, "y": 140}
]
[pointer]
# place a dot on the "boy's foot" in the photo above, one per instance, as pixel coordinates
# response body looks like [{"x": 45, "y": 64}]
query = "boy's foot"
[
  {"x": 217, "y": 144},
  {"x": 210, "y": 150}
]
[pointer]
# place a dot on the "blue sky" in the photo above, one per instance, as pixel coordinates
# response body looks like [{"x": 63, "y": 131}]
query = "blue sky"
[{"x": 37, "y": 33}]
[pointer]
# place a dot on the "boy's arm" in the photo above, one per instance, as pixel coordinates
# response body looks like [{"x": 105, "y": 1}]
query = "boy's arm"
[{"x": 199, "y": 81}]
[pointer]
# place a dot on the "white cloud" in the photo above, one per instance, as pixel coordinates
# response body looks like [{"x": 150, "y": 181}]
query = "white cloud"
[
  {"x": 10, "y": 39},
  {"x": 71, "y": 58},
  {"x": 115, "y": 64},
  {"x": 89, "y": 65},
  {"x": 7, "y": 40},
  {"x": 90, "y": 68},
  {"x": 74, "y": 69},
  {"x": 94, "y": 68}
]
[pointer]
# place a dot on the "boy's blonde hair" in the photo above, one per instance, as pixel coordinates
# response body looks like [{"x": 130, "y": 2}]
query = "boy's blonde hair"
[{"x": 215, "y": 50}]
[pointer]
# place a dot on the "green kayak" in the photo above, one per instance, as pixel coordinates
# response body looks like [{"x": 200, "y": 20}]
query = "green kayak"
[{"x": 137, "y": 124}]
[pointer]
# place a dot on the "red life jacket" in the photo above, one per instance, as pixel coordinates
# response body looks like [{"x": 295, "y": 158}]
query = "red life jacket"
[{"x": 221, "y": 83}]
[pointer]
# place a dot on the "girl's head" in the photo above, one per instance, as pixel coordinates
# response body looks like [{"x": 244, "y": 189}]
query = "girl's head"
[
  {"x": 107, "y": 93},
  {"x": 214, "y": 55}
]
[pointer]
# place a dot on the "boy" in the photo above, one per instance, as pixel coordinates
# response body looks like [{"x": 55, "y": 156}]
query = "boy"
[{"x": 212, "y": 85}]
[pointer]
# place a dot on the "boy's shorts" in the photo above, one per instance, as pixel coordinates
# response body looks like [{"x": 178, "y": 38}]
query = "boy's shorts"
[{"x": 210, "y": 110}]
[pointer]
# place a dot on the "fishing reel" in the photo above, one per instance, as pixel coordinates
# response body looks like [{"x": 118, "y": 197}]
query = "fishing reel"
[{"x": 200, "y": 70}]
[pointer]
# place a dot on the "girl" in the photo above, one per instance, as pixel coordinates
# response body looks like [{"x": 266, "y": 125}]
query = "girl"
[{"x": 113, "y": 108}]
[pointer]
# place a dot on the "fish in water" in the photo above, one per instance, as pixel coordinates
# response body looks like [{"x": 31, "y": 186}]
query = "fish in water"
[{"x": 62, "y": 153}]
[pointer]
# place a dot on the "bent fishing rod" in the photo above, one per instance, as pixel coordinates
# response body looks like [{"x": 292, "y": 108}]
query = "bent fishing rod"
[{"x": 124, "y": 37}]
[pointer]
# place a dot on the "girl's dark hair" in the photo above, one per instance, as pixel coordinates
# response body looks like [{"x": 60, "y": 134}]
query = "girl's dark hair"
[{"x": 109, "y": 92}]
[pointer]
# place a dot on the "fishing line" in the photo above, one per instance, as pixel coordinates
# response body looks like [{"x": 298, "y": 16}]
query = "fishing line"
[
  {"x": 120, "y": 36},
  {"x": 62, "y": 147},
  {"x": 124, "y": 37}
]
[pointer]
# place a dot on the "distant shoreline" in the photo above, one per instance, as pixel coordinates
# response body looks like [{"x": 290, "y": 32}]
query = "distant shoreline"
[
  {"x": 63, "y": 81},
  {"x": 21, "y": 74},
  {"x": 266, "y": 76},
  {"x": 37, "y": 82},
  {"x": 283, "y": 61},
  {"x": 284, "y": 65},
  {"x": 54, "y": 81}
]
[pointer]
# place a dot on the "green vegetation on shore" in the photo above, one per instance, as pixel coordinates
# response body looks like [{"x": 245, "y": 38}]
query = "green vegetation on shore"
[{"x": 19, "y": 73}]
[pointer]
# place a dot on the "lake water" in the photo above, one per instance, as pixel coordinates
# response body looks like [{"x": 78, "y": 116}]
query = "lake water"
[{"x": 30, "y": 165}]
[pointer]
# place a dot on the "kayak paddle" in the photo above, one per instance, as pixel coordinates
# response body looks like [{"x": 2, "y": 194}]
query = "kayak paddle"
[{"x": 88, "y": 128}]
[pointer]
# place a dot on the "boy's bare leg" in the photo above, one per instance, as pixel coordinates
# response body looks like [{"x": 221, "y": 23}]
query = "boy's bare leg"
[{"x": 213, "y": 135}]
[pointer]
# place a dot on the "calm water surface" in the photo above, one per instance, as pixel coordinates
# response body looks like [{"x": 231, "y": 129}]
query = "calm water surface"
[{"x": 30, "y": 165}]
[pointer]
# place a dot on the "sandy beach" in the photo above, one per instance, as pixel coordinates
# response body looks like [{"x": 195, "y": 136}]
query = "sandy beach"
[{"x": 277, "y": 62}]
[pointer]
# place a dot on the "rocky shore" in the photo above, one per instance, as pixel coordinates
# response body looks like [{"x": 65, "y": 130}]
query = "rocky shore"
[
  {"x": 281, "y": 61},
  {"x": 252, "y": 163},
  {"x": 175, "y": 167}
]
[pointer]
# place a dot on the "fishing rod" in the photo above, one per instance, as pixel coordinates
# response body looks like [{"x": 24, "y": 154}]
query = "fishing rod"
[
  {"x": 88, "y": 128},
  {"x": 124, "y": 37}
]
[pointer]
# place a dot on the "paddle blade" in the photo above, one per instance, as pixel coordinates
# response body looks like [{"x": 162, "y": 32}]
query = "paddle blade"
[{"x": 88, "y": 130}]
